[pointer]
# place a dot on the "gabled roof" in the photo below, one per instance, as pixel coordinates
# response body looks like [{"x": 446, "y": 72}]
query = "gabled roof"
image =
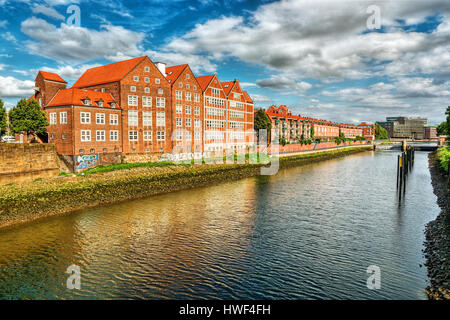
[
  {"x": 108, "y": 73},
  {"x": 247, "y": 97},
  {"x": 68, "y": 97},
  {"x": 51, "y": 76},
  {"x": 227, "y": 86},
  {"x": 174, "y": 72},
  {"x": 204, "y": 81}
]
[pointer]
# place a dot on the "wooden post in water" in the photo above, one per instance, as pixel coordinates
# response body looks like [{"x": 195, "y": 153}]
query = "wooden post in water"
[
  {"x": 400, "y": 177},
  {"x": 404, "y": 173},
  {"x": 398, "y": 169}
]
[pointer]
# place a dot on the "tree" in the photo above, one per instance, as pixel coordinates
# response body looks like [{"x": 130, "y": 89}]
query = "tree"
[
  {"x": 380, "y": 132},
  {"x": 262, "y": 122},
  {"x": 27, "y": 116},
  {"x": 441, "y": 129},
  {"x": 447, "y": 112},
  {"x": 3, "y": 122},
  {"x": 312, "y": 132}
]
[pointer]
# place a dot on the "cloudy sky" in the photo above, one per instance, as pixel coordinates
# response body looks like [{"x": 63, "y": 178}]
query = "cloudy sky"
[{"x": 328, "y": 59}]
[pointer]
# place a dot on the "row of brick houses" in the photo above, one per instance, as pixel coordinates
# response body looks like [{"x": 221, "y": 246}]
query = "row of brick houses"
[
  {"x": 293, "y": 127},
  {"x": 140, "y": 107}
]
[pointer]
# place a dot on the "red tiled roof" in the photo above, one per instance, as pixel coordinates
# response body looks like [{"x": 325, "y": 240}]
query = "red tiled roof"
[
  {"x": 52, "y": 76},
  {"x": 247, "y": 97},
  {"x": 68, "y": 97},
  {"x": 227, "y": 86},
  {"x": 108, "y": 73},
  {"x": 174, "y": 72},
  {"x": 204, "y": 81}
]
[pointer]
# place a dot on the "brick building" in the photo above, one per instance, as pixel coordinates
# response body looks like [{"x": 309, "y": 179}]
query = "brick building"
[
  {"x": 293, "y": 127},
  {"x": 143, "y": 108}
]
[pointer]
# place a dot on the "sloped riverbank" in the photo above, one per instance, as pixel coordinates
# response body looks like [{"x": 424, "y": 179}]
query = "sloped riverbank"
[
  {"x": 20, "y": 203},
  {"x": 437, "y": 232}
]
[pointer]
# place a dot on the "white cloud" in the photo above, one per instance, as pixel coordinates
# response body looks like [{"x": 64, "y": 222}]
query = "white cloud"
[
  {"x": 11, "y": 87},
  {"x": 69, "y": 72},
  {"x": 8, "y": 36},
  {"x": 48, "y": 11},
  {"x": 3, "y": 24},
  {"x": 260, "y": 98},
  {"x": 70, "y": 43},
  {"x": 284, "y": 83}
]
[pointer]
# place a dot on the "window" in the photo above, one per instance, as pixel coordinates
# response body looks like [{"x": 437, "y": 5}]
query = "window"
[
  {"x": 114, "y": 135},
  {"x": 179, "y": 95},
  {"x": 188, "y": 96},
  {"x": 197, "y": 135},
  {"x": 179, "y": 108},
  {"x": 197, "y": 111},
  {"x": 179, "y": 122},
  {"x": 197, "y": 123},
  {"x": 100, "y": 135},
  {"x": 63, "y": 136},
  {"x": 133, "y": 136},
  {"x": 187, "y": 122},
  {"x": 157, "y": 81},
  {"x": 85, "y": 135},
  {"x": 103, "y": 90},
  {"x": 63, "y": 117},
  {"x": 160, "y": 135},
  {"x": 160, "y": 119},
  {"x": 53, "y": 118},
  {"x": 188, "y": 86},
  {"x": 87, "y": 102},
  {"x": 180, "y": 84},
  {"x": 179, "y": 135},
  {"x": 195, "y": 87},
  {"x": 160, "y": 91},
  {"x": 187, "y": 109},
  {"x": 147, "y": 79},
  {"x": 146, "y": 101},
  {"x": 133, "y": 101},
  {"x": 188, "y": 135},
  {"x": 85, "y": 117},
  {"x": 133, "y": 88},
  {"x": 136, "y": 78},
  {"x": 113, "y": 119},
  {"x": 147, "y": 136},
  {"x": 100, "y": 104},
  {"x": 147, "y": 118},
  {"x": 196, "y": 97},
  {"x": 132, "y": 118},
  {"x": 237, "y": 96},
  {"x": 147, "y": 69},
  {"x": 147, "y": 90},
  {"x": 100, "y": 118},
  {"x": 52, "y": 137},
  {"x": 161, "y": 102}
]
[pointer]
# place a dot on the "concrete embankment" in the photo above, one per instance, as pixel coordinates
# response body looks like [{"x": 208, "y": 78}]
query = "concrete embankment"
[
  {"x": 437, "y": 232},
  {"x": 20, "y": 203}
]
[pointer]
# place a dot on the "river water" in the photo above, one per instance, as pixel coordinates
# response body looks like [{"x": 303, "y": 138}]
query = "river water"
[{"x": 310, "y": 232}]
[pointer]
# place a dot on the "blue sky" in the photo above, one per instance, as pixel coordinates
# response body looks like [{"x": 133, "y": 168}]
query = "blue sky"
[{"x": 321, "y": 58}]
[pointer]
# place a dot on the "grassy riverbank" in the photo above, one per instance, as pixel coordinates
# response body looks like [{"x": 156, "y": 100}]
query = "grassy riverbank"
[
  {"x": 21, "y": 203},
  {"x": 437, "y": 232}
]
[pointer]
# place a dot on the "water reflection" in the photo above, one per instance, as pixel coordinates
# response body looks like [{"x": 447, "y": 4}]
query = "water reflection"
[{"x": 309, "y": 232}]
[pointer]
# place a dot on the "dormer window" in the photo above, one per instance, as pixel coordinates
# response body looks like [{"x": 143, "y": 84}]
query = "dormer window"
[
  {"x": 87, "y": 102},
  {"x": 101, "y": 104},
  {"x": 113, "y": 104},
  {"x": 136, "y": 78}
]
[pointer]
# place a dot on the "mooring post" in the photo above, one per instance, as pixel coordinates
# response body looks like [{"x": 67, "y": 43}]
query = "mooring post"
[
  {"x": 398, "y": 168},
  {"x": 404, "y": 178},
  {"x": 400, "y": 177}
]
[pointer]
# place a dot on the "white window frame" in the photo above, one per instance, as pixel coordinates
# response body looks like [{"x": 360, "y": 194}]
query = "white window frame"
[
  {"x": 85, "y": 117},
  {"x": 160, "y": 102},
  {"x": 53, "y": 118},
  {"x": 146, "y": 101},
  {"x": 160, "y": 119},
  {"x": 133, "y": 118},
  {"x": 133, "y": 100},
  {"x": 114, "y": 135},
  {"x": 147, "y": 135},
  {"x": 63, "y": 117},
  {"x": 133, "y": 135},
  {"x": 102, "y": 135},
  {"x": 85, "y": 135},
  {"x": 99, "y": 118},
  {"x": 147, "y": 120},
  {"x": 160, "y": 135},
  {"x": 114, "y": 119}
]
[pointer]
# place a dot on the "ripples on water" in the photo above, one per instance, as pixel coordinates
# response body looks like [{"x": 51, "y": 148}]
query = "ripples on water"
[{"x": 309, "y": 232}]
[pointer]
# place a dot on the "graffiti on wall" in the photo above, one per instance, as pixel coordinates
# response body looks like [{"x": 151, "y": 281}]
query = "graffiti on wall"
[{"x": 86, "y": 161}]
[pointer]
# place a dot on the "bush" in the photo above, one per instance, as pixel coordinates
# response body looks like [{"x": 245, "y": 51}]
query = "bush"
[{"x": 443, "y": 157}]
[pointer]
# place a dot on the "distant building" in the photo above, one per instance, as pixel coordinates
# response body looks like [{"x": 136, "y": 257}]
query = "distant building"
[
  {"x": 404, "y": 127},
  {"x": 430, "y": 133}
]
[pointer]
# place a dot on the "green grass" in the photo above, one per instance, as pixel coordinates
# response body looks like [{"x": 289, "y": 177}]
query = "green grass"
[
  {"x": 122, "y": 166},
  {"x": 443, "y": 157}
]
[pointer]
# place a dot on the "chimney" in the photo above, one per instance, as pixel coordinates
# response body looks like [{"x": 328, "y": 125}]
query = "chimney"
[{"x": 162, "y": 67}]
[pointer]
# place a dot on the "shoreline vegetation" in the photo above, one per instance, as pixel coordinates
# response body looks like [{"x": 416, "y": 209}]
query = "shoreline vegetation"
[
  {"x": 22, "y": 203},
  {"x": 437, "y": 232}
]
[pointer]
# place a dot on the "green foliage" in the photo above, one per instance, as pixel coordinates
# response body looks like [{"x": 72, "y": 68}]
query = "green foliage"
[
  {"x": 318, "y": 140},
  {"x": 283, "y": 141},
  {"x": 338, "y": 140},
  {"x": 122, "y": 166},
  {"x": 262, "y": 122},
  {"x": 312, "y": 132},
  {"x": 380, "y": 132},
  {"x": 3, "y": 123},
  {"x": 441, "y": 129},
  {"x": 447, "y": 112},
  {"x": 27, "y": 116},
  {"x": 443, "y": 157}
]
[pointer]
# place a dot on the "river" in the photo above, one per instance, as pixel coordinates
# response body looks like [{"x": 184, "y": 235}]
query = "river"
[{"x": 309, "y": 232}]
